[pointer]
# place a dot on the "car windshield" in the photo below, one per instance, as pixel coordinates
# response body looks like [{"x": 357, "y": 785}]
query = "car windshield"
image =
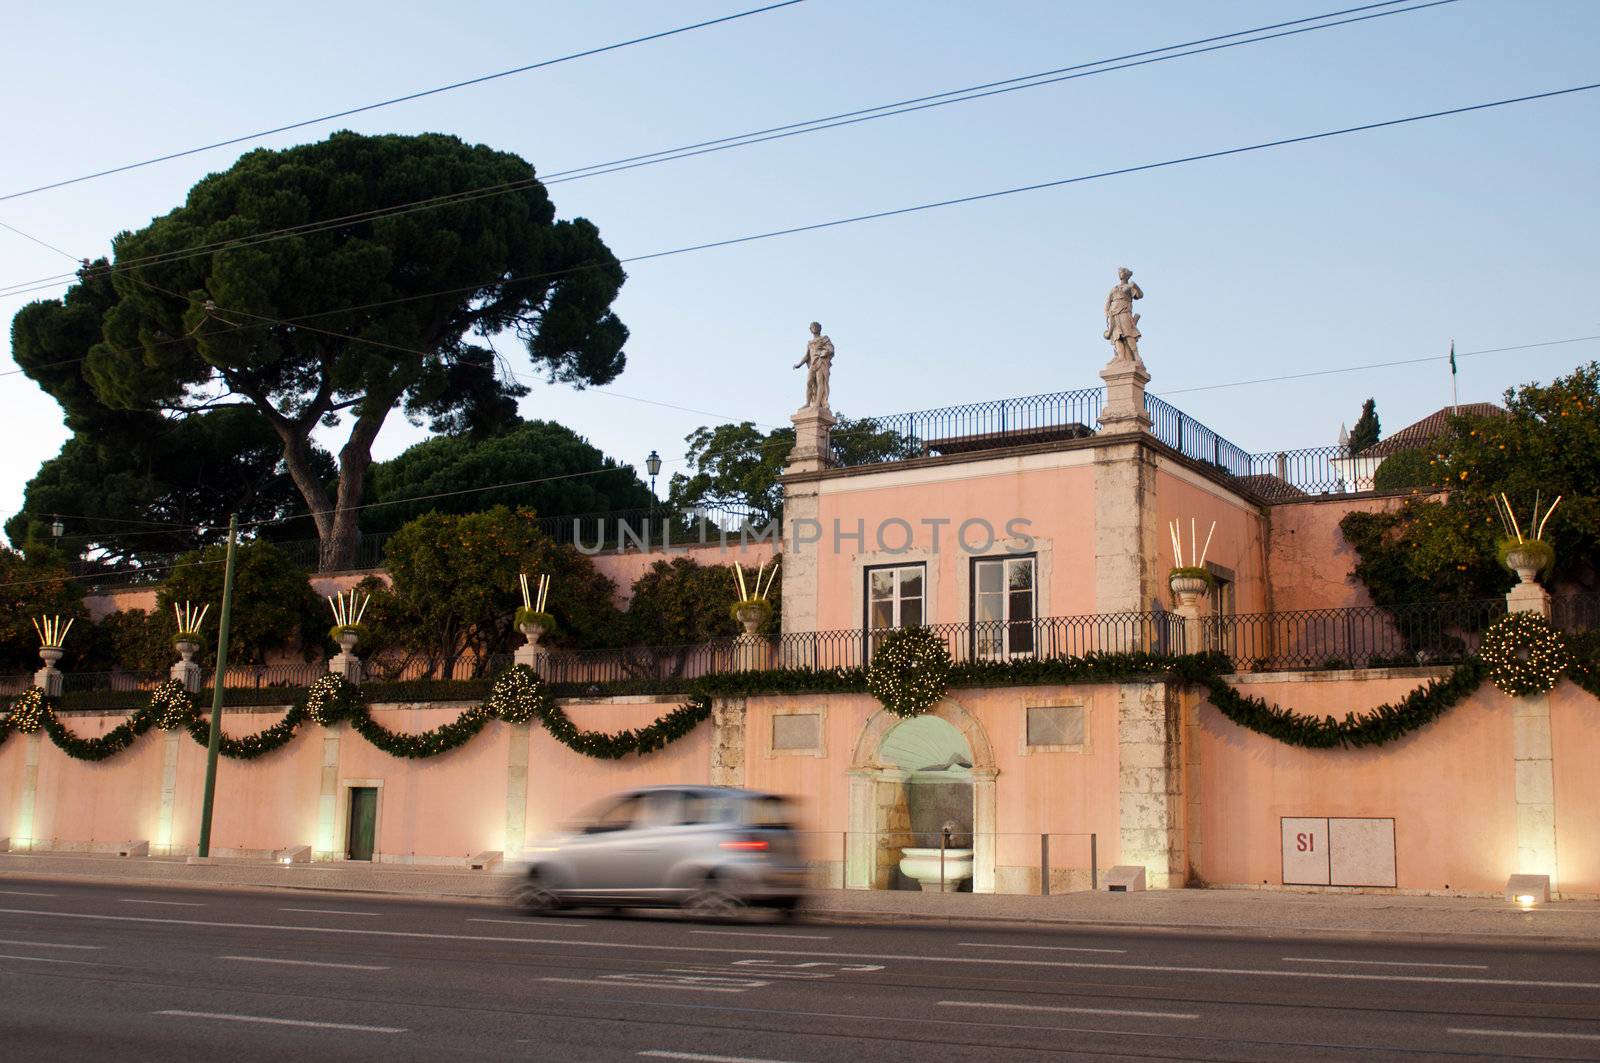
[{"x": 768, "y": 810}]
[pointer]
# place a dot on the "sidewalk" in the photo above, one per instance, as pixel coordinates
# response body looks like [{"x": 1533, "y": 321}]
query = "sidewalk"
[{"x": 1254, "y": 912}]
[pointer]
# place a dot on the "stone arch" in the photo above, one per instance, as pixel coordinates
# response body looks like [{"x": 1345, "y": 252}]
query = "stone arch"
[{"x": 870, "y": 779}]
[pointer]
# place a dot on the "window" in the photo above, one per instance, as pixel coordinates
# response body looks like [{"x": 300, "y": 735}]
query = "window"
[
  {"x": 660, "y": 808},
  {"x": 796, "y": 732},
  {"x": 1055, "y": 726},
  {"x": 617, "y": 816},
  {"x": 1003, "y": 606},
  {"x": 895, "y": 597}
]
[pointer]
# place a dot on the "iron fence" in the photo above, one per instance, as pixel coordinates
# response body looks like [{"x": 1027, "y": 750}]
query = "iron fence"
[
  {"x": 973, "y": 427},
  {"x": 1357, "y": 637}
]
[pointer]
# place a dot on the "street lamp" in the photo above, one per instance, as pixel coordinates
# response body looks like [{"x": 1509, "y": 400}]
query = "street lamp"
[
  {"x": 652, "y": 465},
  {"x": 57, "y": 529}
]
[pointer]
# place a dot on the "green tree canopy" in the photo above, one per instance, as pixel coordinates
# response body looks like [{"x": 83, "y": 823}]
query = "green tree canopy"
[
  {"x": 33, "y": 585},
  {"x": 335, "y": 325},
  {"x": 455, "y": 591},
  {"x": 1441, "y": 543},
  {"x": 531, "y": 451},
  {"x": 680, "y": 602},
  {"x": 739, "y": 465},
  {"x": 275, "y": 611},
  {"x": 1366, "y": 431}
]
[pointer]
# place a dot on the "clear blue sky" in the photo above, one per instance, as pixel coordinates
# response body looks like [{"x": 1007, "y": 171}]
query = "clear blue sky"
[{"x": 1369, "y": 248}]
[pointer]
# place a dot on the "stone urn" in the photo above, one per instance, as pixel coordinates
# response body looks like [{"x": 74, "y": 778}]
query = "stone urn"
[
  {"x": 1187, "y": 587},
  {"x": 751, "y": 614},
  {"x": 186, "y": 648},
  {"x": 935, "y": 869},
  {"x": 186, "y": 671},
  {"x": 49, "y": 678},
  {"x": 51, "y": 655},
  {"x": 1527, "y": 558},
  {"x": 348, "y": 637}
]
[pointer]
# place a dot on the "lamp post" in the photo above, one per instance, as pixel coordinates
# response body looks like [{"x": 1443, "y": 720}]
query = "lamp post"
[
  {"x": 214, "y": 741},
  {"x": 57, "y": 529},
  {"x": 652, "y": 465}
]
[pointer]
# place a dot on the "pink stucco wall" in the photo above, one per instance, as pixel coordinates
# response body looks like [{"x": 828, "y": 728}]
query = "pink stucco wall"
[
  {"x": 1450, "y": 787},
  {"x": 1238, "y": 544},
  {"x": 1059, "y": 502},
  {"x": 1308, "y": 561},
  {"x": 1575, "y": 740}
]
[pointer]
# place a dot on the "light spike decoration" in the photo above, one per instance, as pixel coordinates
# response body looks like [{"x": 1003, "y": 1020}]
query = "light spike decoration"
[
  {"x": 52, "y": 633},
  {"x": 762, "y": 582},
  {"x": 1197, "y": 554},
  {"x": 349, "y": 607},
  {"x": 189, "y": 618},
  {"x": 535, "y": 601},
  {"x": 1513, "y": 527}
]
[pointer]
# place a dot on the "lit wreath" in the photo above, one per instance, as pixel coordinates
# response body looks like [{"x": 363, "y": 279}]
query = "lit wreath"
[
  {"x": 1525, "y": 654},
  {"x": 910, "y": 671},
  {"x": 518, "y": 696},
  {"x": 27, "y": 712},
  {"x": 330, "y": 699},
  {"x": 171, "y": 705}
]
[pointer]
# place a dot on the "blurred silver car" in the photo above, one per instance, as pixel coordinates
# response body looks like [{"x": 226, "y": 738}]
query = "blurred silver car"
[{"x": 713, "y": 850}]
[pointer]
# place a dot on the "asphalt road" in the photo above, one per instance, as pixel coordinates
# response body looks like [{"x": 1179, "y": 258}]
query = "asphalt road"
[{"x": 106, "y": 971}]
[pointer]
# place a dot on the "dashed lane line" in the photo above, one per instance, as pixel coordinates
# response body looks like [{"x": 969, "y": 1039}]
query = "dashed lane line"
[
  {"x": 304, "y": 963},
  {"x": 48, "y": 945},
  {"x": 1054, "y": 1009},
  {"x": 764, "y": 934},
  {"x": 701, "y": 1057},
  {"x": 281, "y": 1022},
  {"x": 1038, "y": 948},
  {"x": 328, "y": 911},
  {"x": 1389, "y": 963},
  {"x": 169, "y": 904},
  {"x": 1527, "y": 1033}
]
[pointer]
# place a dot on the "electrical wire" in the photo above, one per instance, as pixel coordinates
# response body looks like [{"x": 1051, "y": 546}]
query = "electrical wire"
[
  {"x": 815, "y": 125},
  {"x": 400, "y": 99}
]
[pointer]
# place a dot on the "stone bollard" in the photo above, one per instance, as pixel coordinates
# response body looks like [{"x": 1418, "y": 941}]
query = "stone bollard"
[
  {"x": 345, "y": 662},
  {"x": 49, "y": 678},
  {"x": 187, "y": 671}
]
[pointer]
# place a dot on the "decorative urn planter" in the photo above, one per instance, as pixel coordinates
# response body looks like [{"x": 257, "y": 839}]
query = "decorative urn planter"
[
  {"x": 1528, "y": 558},
  {"x": 751, "y": 614},
  {"x": 186, "y": 648},
  {"x": 1187, "y": 585},
  {"x": 347, "y": 640},
  {"x": 51, "y": 655}
]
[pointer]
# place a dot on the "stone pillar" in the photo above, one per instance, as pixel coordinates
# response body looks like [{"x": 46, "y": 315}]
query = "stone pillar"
[
  {"x": 1125, "y": 542},
  {"x": 328, "y": 799},
  {"x": 28, "y": 802},
  {"x": 186, "y": 671},
  {"x": 528, "y": 653},
  {"x": 516, "y": 789},
  {"x": 169, "y": 784},
  {"x": 49, "y": 678},
  {"x": 1150, "y": 774},
  {"x": 728, "y": 717},
  {"x": 1124, "y": 410},
  {"x": 1193, "y": 607},
  {"x": 860, "y": 842},
  {"x": 984, "y": 841},
  {"x": 1535, "y": 787},
  {"x": 802, "y": 524}
]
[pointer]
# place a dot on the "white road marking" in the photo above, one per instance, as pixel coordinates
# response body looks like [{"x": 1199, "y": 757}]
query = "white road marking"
[
  {"x": 1037, "y": 948},
  {"x": 1081, "y": 965},
  {"x": 522, "y": 922},
  {"x": 764, "y": 934},
  {"x": 1389, "y": 963},
  {"x": 1068, "y": 1011},
  {"x": 51, "y": 959},
  {"x": 813, "y": 976},
  {"x": 170, "y": 904},
  {"x": 644, "y": 985},
  {"x": 47, "y": 944},
  {"x": 327, "y": 911},
  {"x": 661, "y": 1053},
  {"x": 1528, "y": 1033},
  {"x": 304, "y": 963},
  {"x": 25, "y": 893},
  {"x": 282, "y": 1022}
]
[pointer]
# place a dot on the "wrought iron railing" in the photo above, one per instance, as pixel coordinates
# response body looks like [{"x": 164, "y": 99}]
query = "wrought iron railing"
[{"x": 974, "y": 427}]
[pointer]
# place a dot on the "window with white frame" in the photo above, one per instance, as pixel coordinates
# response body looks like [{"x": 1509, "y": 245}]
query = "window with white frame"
[
  {"x": 895, "y": 597},
  {"x": 1003, "y": 606}
]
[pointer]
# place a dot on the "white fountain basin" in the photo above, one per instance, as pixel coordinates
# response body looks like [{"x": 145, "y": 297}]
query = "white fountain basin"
[{"x": 922, "y": 865}]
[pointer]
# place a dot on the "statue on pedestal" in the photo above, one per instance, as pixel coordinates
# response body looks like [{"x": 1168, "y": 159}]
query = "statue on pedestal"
[
  {"x": 818, "y": 361},
  {"x": 1122, "y": 324}
]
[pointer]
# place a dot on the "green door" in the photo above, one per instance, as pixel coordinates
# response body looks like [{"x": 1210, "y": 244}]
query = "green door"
[{"x": 363, "y": 822}]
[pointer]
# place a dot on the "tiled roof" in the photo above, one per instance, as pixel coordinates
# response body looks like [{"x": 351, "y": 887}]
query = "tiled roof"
[{"x": 1429, "y": 428}]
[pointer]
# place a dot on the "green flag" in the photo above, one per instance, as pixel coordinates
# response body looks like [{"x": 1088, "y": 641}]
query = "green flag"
[{"x": 1452, "y": 357}]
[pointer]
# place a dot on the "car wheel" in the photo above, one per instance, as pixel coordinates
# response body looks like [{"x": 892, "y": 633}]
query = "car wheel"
[
  {"x": 534, "y": 897},
  {"x": 715, "y": 902}
]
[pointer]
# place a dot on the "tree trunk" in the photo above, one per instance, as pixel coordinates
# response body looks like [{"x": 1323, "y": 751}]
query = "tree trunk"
[{"x": 341, "y": 541}]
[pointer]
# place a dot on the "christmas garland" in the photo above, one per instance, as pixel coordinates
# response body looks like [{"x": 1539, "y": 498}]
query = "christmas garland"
[{"x": 910, "y": 671}]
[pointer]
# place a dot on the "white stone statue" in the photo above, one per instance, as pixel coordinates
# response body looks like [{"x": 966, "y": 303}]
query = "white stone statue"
[
  {"x": 818, "y": 361},
  {"x": 1122, "y": 324}
]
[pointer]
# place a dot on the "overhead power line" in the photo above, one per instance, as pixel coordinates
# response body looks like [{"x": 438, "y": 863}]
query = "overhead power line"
[
  {"x": 363, "y": 108},
  {"x": 761, "y": 136},
  {"x": 300, "y": 321}
]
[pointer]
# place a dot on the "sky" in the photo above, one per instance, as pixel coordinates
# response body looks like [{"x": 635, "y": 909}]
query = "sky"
[{"x": 1376, "y": 247}]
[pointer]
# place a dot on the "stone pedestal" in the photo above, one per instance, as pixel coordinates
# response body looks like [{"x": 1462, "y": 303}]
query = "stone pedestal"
[
  {"x": 1193, "y": 606},
  {"x": 1150, "y": 774},
  {"x": 345, "y": 662},
  {"x": 529, "y": 654},
  {"x": 813, "y": 447},
  {"x": 1528, "y": 597},
  {"x": 1534, "y": 787},
  {"x": 186, "y": 671},
  {"x": 49, "y": 678},
  {"x": 727, "y": 741},
  {"x": 1124, "y": 410}
]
